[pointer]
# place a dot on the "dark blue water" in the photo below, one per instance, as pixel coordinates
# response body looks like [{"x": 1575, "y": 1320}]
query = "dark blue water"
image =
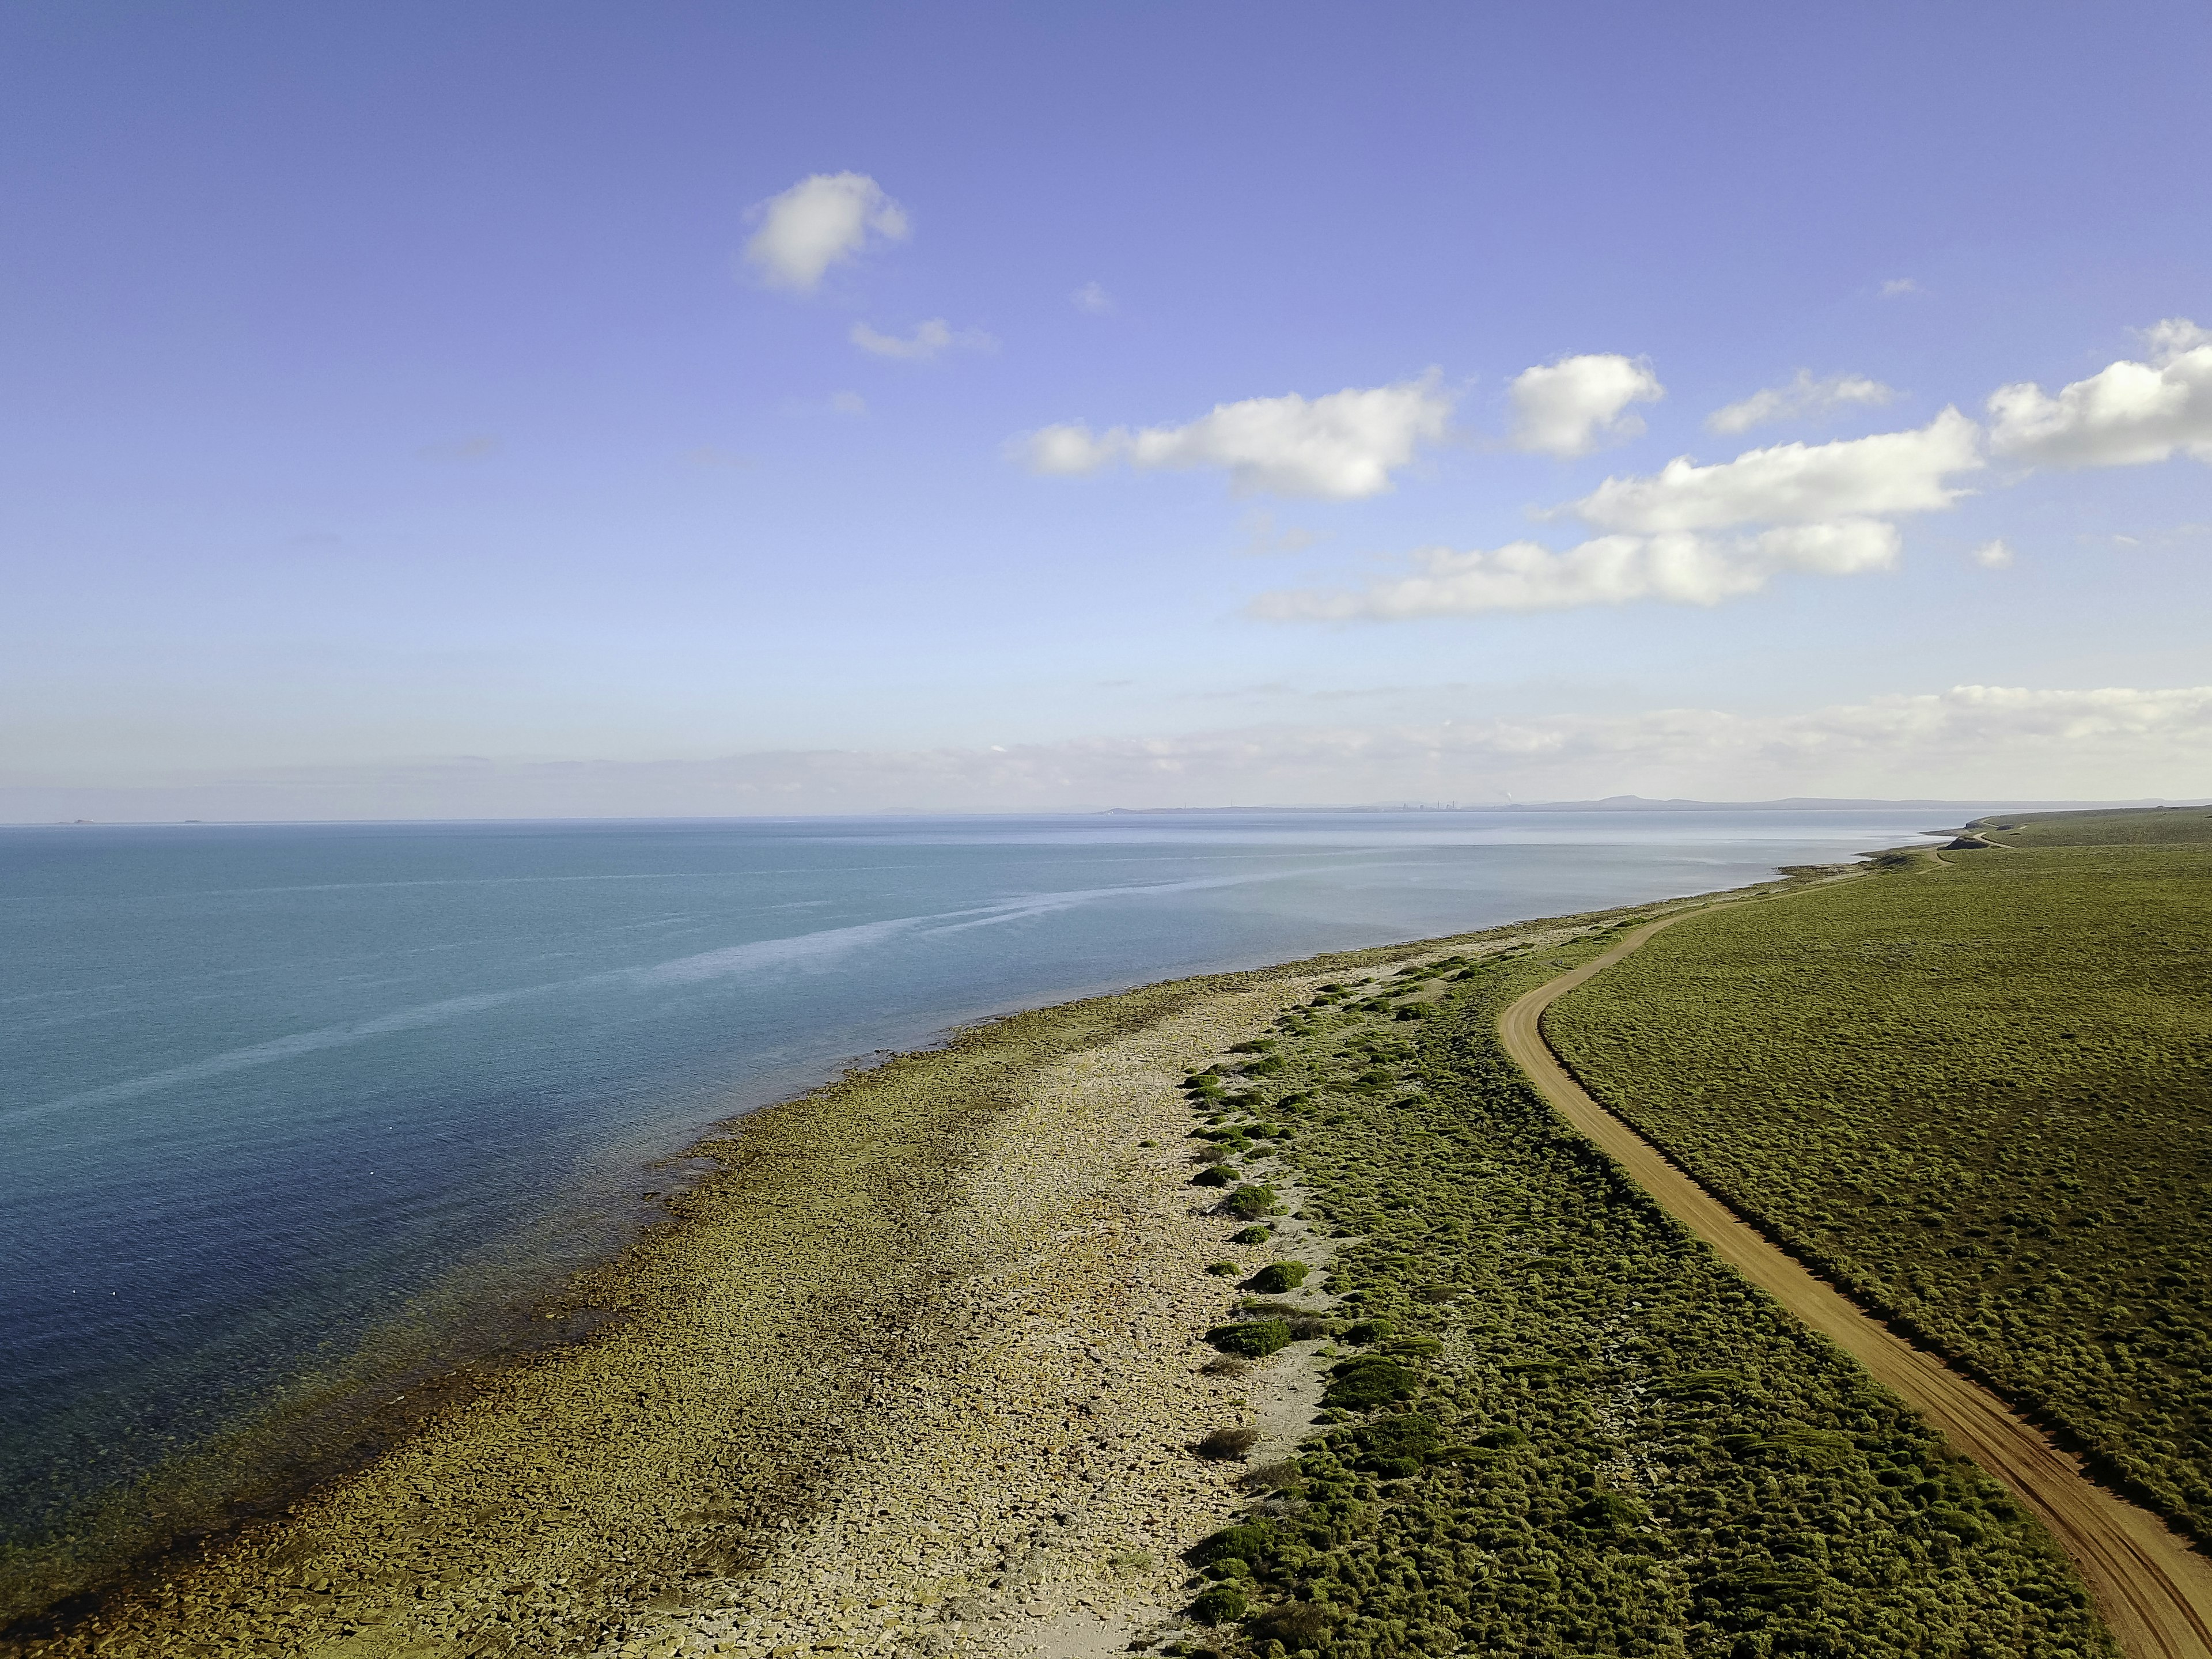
[{"x": 284, "y": 1104}]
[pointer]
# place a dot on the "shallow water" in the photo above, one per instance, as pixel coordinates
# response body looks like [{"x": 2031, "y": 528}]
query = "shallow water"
[{"x": 288, "y": 1105}]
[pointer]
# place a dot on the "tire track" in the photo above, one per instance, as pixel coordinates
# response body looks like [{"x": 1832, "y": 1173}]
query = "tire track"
[{"x": 2155, "y": 1591}]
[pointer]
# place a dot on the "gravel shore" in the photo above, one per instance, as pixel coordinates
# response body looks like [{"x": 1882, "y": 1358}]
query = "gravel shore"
[{"x": 916, "y": 1371}]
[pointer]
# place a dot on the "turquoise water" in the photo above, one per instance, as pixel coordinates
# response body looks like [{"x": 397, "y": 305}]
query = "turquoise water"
[{"x": 288, "y": 1105}]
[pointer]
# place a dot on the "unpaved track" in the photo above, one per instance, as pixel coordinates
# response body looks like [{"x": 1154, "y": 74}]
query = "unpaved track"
[{"x": 2155, "y": 1591}]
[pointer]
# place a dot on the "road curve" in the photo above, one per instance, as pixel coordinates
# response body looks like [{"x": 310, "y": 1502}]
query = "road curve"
[{"x": 2155, "y": 1591}]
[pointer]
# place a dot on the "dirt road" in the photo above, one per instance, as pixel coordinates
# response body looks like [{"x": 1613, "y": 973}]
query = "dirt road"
[{"x": 2155, "y": 1591}]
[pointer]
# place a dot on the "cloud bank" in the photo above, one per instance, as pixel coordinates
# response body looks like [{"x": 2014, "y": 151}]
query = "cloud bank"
[
  {"x": 1339, "y": 448},
  {"x": 1803, "y": 395},
  {"x": 1676, "y": 567},
  {"x": 1969, "y": 742},
  {"x": 1795, "y": 482},
  {"x": 822, "y": 221},
  {"x": 1686, "y": 534},
  {"x": 2128, "y": 415},
  {"x": 1571, "y": 407}
]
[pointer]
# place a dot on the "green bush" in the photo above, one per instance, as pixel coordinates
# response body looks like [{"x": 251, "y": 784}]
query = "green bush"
[
  {"x": 1223, "y": 1604},
  {"x": 1254, "y": 1235},
  {"x": 1369, "y": 1381},
  {"x": 1222, "y": 1269},
  {"x": 1394, "y": 1444},
  {"x": 1278, "y": 1277},
  {"x": 1249, "y": 1203},
  {"x": 1300, "y": 1626},
  {"x": 1252, "y": 1542},
  {"x": 1254, "y": 1338},
  {"x": 1215, "y": 1174}
]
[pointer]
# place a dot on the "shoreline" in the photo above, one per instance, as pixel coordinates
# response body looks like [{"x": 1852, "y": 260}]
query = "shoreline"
[{"x": 754, "y": 1343}]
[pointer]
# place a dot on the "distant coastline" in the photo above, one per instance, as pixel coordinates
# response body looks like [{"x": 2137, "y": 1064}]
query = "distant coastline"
[{"x": 1644, "y": 804}]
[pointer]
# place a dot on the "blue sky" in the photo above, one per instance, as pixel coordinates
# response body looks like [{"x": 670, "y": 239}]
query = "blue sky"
[{"x": 419, "y": 410}]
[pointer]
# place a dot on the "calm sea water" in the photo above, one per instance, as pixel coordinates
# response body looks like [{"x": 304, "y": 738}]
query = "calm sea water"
[{"x": 286, "y": 1106}]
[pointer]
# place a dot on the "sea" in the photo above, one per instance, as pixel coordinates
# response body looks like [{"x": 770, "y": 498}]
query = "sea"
[{"x": 294, "y": 1115}]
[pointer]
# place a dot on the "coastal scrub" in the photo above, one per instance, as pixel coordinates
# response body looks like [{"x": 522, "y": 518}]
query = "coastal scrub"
[
  {"x": 1978, "y": 1093},
  {"x": 1570, "y": 1428}
]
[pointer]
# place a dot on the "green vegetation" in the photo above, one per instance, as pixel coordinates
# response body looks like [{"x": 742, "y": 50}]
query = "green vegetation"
[
  {"x": 1569, "y": 1430},
  {"x": 1253, "y": 1338},
  {"x": 1250, "y": 1203},
  {"x": 1978, "y": 1093},
  {"x": 1279, "y": 1276}
]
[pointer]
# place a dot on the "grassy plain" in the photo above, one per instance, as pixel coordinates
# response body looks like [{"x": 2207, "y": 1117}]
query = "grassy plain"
[
  {"x": 1975, "y": 1091},
  {"x": 1559, "y": 1424}
]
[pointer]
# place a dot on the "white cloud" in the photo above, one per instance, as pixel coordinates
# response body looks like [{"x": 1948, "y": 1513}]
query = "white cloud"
[
  {"x": 822, "y": 221},
  {"x": 928, "y": 340},
  {"x": 2127, "y": 415},
  {"x": 848, "y": 403},
  {"x": 1679, "y": 566},
  {"x": 1993, "y": 556},
  {"x": 1093, "y": 298},
  {"x": 1802, "y": 396},
  {"x": 1794, "y": 483},
  {"x": 1897, "y": 286},
  {"x": 1570, "y": 407},
  {"x": 1686, "y": 534},
  {"x": 1972, "y": 742},
  {"x": 1340, "y": 446}
]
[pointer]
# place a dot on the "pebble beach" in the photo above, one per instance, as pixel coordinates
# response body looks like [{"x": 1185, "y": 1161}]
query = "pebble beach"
[{"x": 917, "y": 1369}]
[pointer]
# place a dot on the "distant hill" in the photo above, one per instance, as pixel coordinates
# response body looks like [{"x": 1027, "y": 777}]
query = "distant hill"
[
  {"x": 1644, "y": 804},
  {"x": 1811, "y": 804}
]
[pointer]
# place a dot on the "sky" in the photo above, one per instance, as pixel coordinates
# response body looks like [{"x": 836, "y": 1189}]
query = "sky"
[{"x": 419, "y": 411}]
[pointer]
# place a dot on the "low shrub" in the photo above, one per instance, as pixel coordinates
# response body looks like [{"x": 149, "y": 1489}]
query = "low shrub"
[
  {"x": 1253, "y": 1236},
  {"x": 1369, "y": 1381},
  {"x": 1214, "y": 1174},
  {"x": 1282, "y": 1477},
  {"x": 1224, "y": 1444},
  {"x": 1224, "y": 1604},
  {"x": 1251, "y": 1339},
  {"x": 1252, "y": 1541},
  {"x": 1297, "y": 1624},
  {"x": 1278, "y": 1277},
  {"x": 1222, "y": 1269},
  {"x": 1249, "y": 1203},
  {"x": 1394, "y": 1447}
]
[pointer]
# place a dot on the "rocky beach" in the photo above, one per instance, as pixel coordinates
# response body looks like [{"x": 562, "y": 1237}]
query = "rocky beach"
[{"x": 918, "y": 1367}]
